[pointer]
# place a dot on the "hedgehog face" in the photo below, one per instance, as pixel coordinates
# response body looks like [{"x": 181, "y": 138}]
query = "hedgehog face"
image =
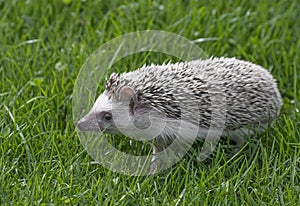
[
  {"x": 100, "y": 117},
  {"x": 110, "y": 113},
  {"x": 122, "y": 114}
]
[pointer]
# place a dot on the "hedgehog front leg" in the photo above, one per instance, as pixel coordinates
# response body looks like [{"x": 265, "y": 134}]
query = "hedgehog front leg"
[
  {"x": 239, "y": 142},
  {"x": 153, "y": 166}
]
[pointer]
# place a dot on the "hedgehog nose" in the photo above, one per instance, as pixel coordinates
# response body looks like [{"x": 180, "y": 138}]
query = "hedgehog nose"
[
  {"x": 88, "y": 123},
  {"x": 82, "y": 125}
]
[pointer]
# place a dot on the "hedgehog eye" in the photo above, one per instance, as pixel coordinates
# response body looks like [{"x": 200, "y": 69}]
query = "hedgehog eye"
[{"x": 107, "y": 116}]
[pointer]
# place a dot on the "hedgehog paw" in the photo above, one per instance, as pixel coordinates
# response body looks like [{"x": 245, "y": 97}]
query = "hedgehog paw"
[{"x": 239, "y": 142}]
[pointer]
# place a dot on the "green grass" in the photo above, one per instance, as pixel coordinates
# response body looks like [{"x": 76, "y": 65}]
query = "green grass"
[{"x": 43, "y": 45}]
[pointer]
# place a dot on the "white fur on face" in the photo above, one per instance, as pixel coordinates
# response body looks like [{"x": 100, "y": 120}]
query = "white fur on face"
[
  {"x": 103, "y": 103},
  {"x": 90, "y": 122}
]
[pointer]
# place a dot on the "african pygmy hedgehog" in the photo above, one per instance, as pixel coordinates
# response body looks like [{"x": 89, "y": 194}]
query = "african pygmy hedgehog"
[{"x": 152, "y": 101}]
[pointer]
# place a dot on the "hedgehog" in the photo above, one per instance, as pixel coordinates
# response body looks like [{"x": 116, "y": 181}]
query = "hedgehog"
[{"x": 154, "y": 100}]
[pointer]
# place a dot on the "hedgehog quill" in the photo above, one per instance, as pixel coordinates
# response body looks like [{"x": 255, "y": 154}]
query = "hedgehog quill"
[{"x": 153, "y": 97}]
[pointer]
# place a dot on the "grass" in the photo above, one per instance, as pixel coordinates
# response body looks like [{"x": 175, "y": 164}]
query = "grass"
[{"x": 43, "y": 45}]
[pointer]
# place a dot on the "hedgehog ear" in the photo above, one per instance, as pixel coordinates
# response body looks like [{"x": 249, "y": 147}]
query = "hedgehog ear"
[{"x": 126, "y": 93}]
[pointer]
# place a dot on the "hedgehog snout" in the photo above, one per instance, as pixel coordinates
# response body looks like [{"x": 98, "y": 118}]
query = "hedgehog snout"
[{"x": 88, "y": 123}]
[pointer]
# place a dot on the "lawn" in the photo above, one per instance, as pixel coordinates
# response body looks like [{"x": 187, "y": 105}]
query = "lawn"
[{"x": 43, "y": 45}]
